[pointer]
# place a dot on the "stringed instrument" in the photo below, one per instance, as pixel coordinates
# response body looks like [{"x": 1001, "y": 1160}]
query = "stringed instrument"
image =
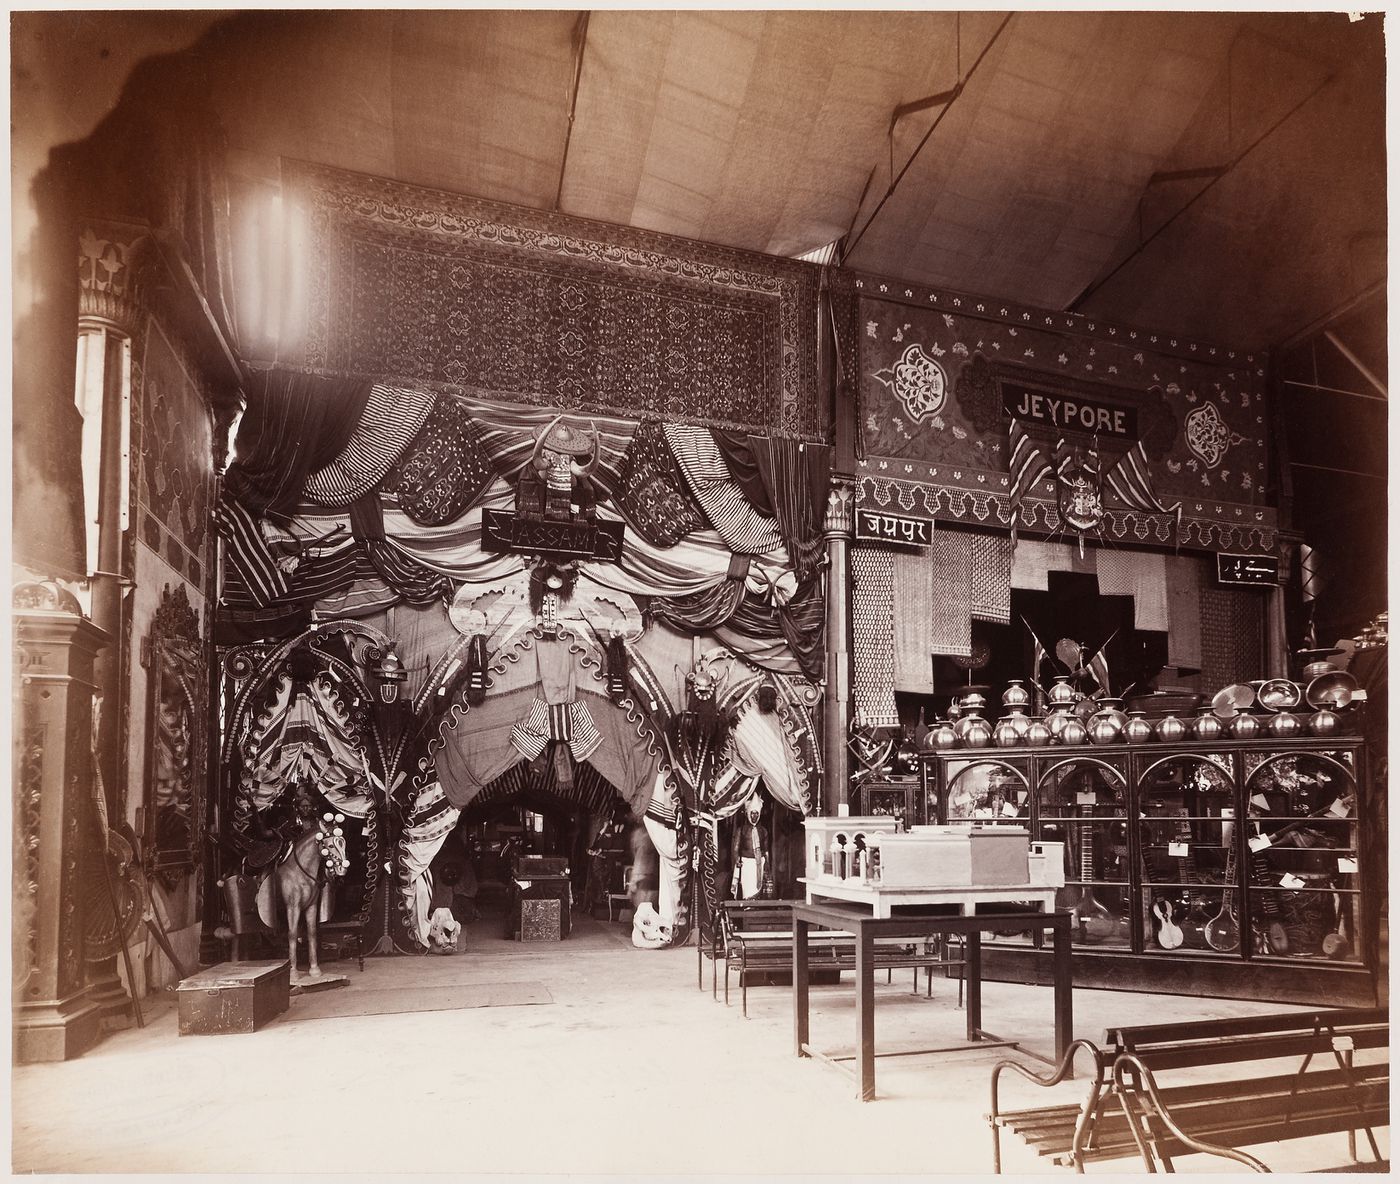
[
  {"x": 1167, "y": 932},
  {"x": 1170, "y": 916},
  {"x": 1093, "y": 920},
  {"x": 1275, "y": 937},
  {"x": 1223, "y": 929}
]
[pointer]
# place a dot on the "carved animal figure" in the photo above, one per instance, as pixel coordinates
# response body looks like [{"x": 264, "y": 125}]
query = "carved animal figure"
[{"x": 317, "y": 850}]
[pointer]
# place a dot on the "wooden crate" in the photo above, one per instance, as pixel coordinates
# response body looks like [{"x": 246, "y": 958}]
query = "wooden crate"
[{"x": 233, "y": 997}]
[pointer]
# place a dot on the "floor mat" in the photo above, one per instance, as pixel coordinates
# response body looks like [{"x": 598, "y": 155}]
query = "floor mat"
[{"x": 352, "y": 1001}]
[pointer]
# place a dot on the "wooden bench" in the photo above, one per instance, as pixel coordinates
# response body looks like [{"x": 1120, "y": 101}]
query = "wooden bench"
[
  {"x": 1301, "y": 1081},
  {"x": 755, "y": 937}
]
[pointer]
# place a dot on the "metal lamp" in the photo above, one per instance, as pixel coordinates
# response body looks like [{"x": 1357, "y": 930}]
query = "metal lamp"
[{"x": 390, "y": 674}]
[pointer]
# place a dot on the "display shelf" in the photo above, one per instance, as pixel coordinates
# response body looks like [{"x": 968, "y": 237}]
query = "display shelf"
[{"x": 1238, "y": 852}]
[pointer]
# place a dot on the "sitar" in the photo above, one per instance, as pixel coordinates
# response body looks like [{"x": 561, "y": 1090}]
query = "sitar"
[
  {"x": 1094, "y": 922},
  {"x": 1223, "y": 929}
]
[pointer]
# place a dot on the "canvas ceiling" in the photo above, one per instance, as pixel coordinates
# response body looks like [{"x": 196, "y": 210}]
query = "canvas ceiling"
[{"x": 771, "y": 131}]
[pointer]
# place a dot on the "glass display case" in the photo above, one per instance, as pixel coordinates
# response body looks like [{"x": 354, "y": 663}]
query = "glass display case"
[{"x": 1229, "y": 852}]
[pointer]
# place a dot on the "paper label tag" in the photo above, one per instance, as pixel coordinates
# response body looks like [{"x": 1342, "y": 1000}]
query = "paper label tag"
[
  {"x": 1259, "y": 802},
  {"x": 1339, "y": 808},
  {"x": 1178, "y": 850},
  {"x": 1346, "y": 865},
  {"x": 1010, "y": 809},
  {"x": 982, "y": 812},
  {"x": 1087, "y": 799},
  {"x": 1259, "y": 842},
  {"x": 1342, "y": 1044},
  {"x": 1289, "y": 880}
]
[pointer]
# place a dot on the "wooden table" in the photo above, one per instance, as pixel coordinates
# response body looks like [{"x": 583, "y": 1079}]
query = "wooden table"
[
  {"x": 858, "y": 920},
  {"x": 882, "y": 901}
]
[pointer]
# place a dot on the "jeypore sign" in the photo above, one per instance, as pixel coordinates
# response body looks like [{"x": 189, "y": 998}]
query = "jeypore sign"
[
  {"x": 877, "y": 526},
  {"x": 1068, "y": 412}
]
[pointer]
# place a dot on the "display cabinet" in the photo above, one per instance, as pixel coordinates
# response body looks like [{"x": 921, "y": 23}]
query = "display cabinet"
[
  {"x": 894, "y": 797},
  {"x": 1186, "y": 862}
]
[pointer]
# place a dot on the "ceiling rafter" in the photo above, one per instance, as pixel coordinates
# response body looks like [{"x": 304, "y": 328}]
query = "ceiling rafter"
[
  {"x": 954, "y": 94},
  {"x": 580, "y": 40}
]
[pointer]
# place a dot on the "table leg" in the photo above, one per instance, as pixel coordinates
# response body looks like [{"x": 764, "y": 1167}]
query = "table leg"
[
  {"x": 1064, "y": 992},
  {"x": 974, "y": 984},
  {"x": 799, "y": 984},
  {"x": 865, "y": 1011}
]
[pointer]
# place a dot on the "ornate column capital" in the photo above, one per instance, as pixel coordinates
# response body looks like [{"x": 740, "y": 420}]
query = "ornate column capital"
[
  {"x": 113, "y": 262},
  {"x": 840, "y": 510}
]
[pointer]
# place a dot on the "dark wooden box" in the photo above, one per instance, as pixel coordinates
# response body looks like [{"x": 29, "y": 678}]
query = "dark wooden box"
[{"x": 234, "y": 997}]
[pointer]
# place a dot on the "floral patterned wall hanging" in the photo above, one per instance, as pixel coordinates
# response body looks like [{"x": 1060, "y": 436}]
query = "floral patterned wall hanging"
[{"x": 940, "y": 376}]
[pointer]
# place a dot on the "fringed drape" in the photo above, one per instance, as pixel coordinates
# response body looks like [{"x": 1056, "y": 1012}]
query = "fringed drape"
[{"x": 796, "y": 476}]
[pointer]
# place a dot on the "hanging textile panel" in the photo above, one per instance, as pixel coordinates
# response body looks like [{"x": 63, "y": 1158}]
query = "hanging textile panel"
[
  {"x": 912, "y": 596},
  {"x": 1232, "y": 635},
  {"x": 1184, "y": 611},
  {"x": 951, "y": 618},
  {"x": 1176, "y": 421},
  {"x": 872, "y": 638},
  {"x": 425, "y": 284},
  {"x": 1141, "y": 575}
]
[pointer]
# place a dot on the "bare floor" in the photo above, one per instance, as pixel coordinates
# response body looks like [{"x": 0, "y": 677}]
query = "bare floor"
[{"x": 630, "y": 1069}]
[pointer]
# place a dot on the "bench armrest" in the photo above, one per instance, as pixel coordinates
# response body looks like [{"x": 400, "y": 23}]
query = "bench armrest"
[
  {"x": 1130, "y": 1098},
  {"x": 1061, "y": 1071}
]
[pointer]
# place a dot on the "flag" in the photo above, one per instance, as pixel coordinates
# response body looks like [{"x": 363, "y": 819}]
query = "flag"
[
  {"x": 1037, "y": 657},
  {"x": 1098, "y": 665},
  {"x": 1131, "y": 483},
  {"x": 1028, "y": 466}
]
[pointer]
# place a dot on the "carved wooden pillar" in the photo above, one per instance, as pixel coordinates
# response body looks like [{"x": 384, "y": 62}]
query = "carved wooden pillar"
[
  {"x": 55, "y": 1017},
  {"x": 836, "y": 713}
]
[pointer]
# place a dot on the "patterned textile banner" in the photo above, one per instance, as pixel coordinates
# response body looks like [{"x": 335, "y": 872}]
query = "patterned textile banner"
[
  {"x": 872, "y": 638},
  {"x": 1175, "y": 420},
  {"x": 545, "y": 309}
]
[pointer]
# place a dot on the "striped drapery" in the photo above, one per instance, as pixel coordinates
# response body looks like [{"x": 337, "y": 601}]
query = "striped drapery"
[
  {"x": 742, "y": 527},
  {"x": 1131, "y": 482},
  {"x": 303, "y": 735},
  {"x": 294, "y": 424},
  {"x": 796, "y": 476},
  {"x": 391, "y": 418}
]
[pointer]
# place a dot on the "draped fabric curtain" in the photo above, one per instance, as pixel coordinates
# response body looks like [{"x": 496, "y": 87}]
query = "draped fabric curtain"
[
  {"x": 796, "y": 476},
  {"x": 304, "y": 735},
  {"x": 294, "y": 424},
  {"x": 761, "y": 749}
]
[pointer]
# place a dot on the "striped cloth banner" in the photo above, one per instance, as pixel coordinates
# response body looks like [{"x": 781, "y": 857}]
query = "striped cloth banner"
[
  {"x": 392, "y": 417},
  {"x": 247, "y": 552},
  {"x": 569, "y": 723},
  {"x": 743, "y": 529}
]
